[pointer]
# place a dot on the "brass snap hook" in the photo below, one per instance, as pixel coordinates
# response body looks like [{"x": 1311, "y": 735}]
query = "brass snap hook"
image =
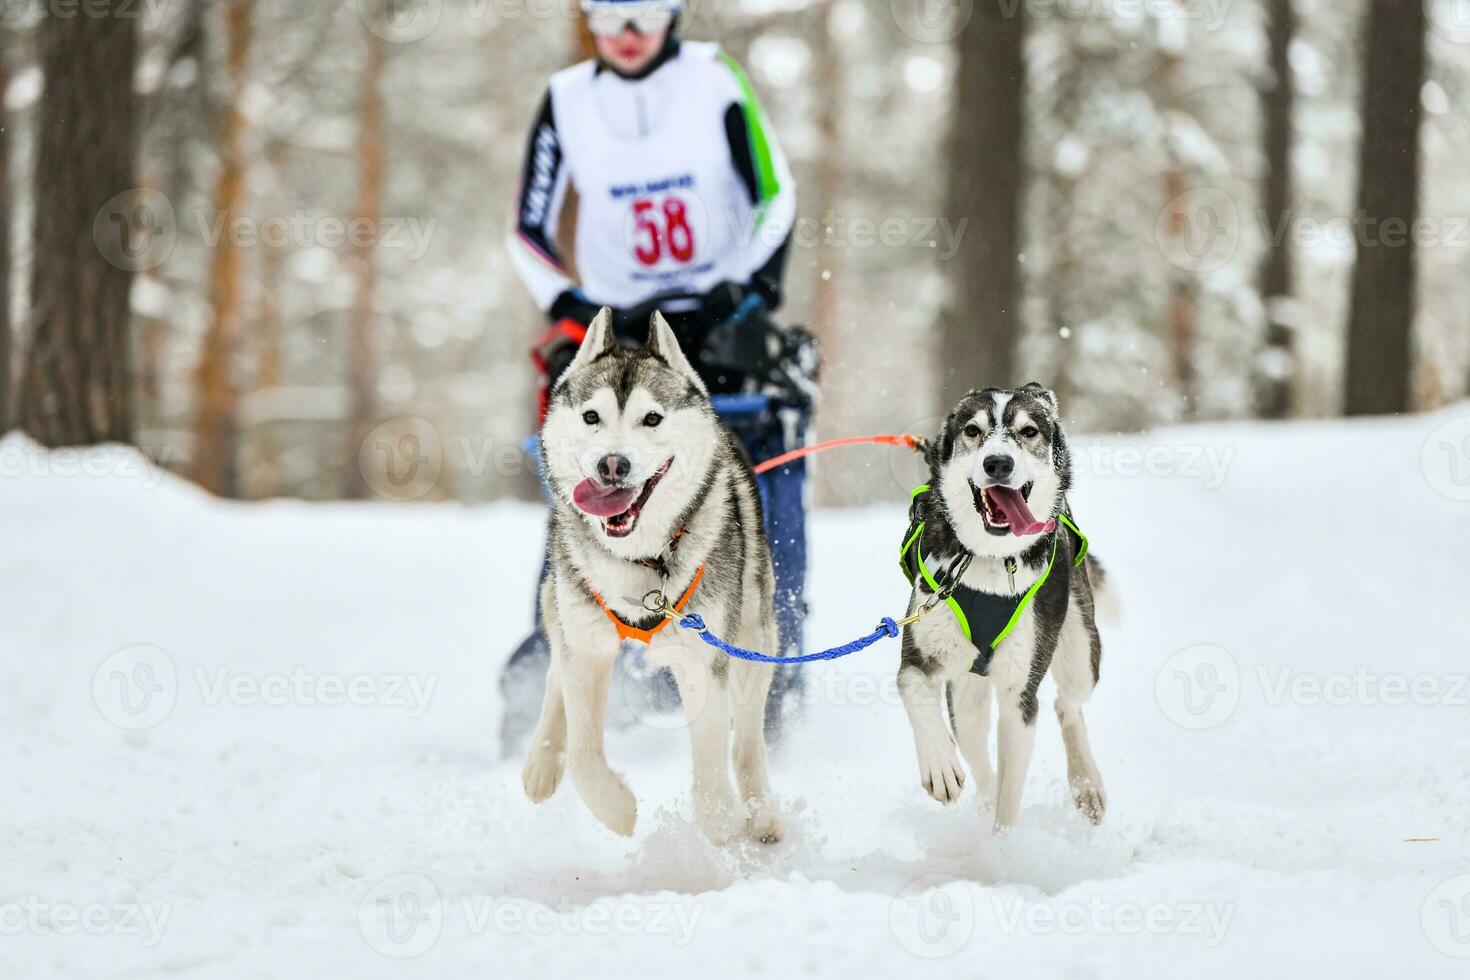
[
  {"x": 656, "y": 602},
  {"x": 927, "y": 607}
]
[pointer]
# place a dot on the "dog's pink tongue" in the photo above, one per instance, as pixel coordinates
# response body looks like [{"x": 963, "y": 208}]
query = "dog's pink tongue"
[
  {"x": 1012, "y": 506},
  {"x": 593, "y": 498}
]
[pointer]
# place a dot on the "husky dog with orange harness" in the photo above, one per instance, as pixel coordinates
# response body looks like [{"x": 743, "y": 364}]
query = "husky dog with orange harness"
[{"x": 650, "y": 493}]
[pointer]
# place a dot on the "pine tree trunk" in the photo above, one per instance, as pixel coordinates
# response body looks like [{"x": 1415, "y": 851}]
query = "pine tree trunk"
[
  {"x": 216, "y": 419},
  {"x": 1380, "y": 324},
  {"x": 827, "y": 54},
  {"x": 362, "y": 375},
  {"x": 1182, "y": 308},
  {"x": 271, "y": 371},
  {"x": 1276, "y": 372},
  {"x": 981, "y": 323},
  {"x": 7, "y": 342},
  {"x": 76, "y": 385},
  {"x": 1184, "y": 284},
  {"x": 1062, "y": 289}
]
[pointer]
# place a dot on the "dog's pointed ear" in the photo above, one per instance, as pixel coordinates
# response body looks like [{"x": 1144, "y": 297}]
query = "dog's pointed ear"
[
  {"x": 663, "y": 344},
  {"x": 599, "y": 340},
  {"x": 1044, "y": 395}
]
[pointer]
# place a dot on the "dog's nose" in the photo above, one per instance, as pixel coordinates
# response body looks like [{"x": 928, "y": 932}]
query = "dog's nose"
[
  {"x": 613, "y": 468},
  {"x": 999, "y": 467}
]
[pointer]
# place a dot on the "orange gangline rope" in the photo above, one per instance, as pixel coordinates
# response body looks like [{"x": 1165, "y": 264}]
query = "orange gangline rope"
[{"x": 911, "y": 441}]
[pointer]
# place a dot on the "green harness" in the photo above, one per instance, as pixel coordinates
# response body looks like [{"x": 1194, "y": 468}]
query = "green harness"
[{"x": 984, "y": 618}]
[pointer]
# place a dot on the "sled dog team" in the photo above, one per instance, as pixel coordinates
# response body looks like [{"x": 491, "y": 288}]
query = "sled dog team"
[{"x": 651, "y": 492}]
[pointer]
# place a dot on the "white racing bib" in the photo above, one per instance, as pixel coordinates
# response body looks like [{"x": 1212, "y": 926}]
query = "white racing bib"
[{"x": 660, "y": 206}]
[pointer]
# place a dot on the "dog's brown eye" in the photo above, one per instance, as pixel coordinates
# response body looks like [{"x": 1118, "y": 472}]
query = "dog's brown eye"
[
  {"x": 652, "y": 419},
  {"x": 1030, "y": 432},
  {"x": 972, "y": 431},
  {"x": 591, "y": 418}
]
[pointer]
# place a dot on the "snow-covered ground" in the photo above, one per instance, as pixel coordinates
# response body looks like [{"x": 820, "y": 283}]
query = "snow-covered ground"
[{"x": 261, "y": 741}]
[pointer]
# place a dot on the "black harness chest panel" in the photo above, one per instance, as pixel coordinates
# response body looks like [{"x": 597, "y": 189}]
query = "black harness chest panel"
[{"x": 988, "y": 616}]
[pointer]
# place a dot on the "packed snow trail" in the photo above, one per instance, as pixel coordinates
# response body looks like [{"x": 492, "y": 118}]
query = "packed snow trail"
[{"x": 259, "y": 741}]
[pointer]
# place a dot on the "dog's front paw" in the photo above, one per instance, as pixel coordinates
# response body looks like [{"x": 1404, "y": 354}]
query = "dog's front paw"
[
  {"x": 940, "y": 773},
  {"x": 766, "y": 823},
  {"x": 1091, "y": 800},
  {"x": 542, "y": 772},
  {"x": 609, "y": 799}
]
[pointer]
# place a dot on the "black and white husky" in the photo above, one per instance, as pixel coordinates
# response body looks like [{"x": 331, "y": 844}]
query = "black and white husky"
[
  {"x": 1012, "y": 596},
  {"x": 650, "y": 492}
]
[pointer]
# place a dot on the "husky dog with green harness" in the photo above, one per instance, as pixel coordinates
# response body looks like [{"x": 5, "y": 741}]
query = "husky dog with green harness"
[{"x": 1002, "y": 593}]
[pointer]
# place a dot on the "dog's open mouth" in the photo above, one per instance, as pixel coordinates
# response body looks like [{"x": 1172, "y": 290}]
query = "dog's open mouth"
[
  {"x": 1004, "y": 511},
  {"x": 618, "y": 507}
]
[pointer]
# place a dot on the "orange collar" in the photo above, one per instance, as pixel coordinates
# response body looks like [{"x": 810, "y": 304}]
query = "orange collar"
[{"x": 626, "y": 632}]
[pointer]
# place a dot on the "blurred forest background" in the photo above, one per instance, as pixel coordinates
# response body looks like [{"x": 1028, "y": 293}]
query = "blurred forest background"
[{"x": 261, "y": 239}]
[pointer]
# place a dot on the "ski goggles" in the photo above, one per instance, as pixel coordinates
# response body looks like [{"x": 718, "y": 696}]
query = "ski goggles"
[{"x": 606, "y": 19}]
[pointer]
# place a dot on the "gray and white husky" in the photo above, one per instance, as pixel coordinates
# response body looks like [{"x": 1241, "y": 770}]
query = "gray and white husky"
[
  {"x": 1000, "y": 460},
  {"x": 651, "y": 492}
]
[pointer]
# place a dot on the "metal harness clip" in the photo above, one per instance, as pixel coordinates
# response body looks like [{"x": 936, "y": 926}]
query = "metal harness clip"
[
  {"x": 921, "y": 612},
  {"x": 656, "y": 602},
  {"x": 945, "y": 591}
]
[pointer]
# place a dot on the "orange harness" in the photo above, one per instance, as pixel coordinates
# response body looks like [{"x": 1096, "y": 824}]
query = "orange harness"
[{"x": 626, "y": 632}]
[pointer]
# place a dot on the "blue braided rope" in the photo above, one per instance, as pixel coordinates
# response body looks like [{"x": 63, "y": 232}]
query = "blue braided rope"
[{"x": 887, "y": 628}]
